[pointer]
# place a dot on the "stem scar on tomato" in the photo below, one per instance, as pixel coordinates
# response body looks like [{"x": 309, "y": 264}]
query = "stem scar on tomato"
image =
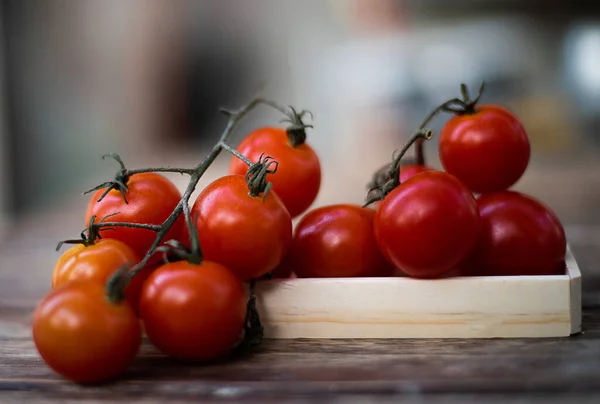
[
  {"x": 119, "y": 182},
  {"x": 256, "y": 176},
  {"x": 92, "y": 234},
  {"x": 296, "y": 132}
]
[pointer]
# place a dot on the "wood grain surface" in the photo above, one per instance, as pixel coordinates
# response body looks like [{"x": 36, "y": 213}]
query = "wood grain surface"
[
  {"x": 403, "y": 307},
  {"x": 548, "y": 370}
]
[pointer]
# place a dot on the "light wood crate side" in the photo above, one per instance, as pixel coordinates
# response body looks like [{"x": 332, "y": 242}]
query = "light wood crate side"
[
  {"x": 473, "y": 307},
  {"x": 574, "y": 291}
]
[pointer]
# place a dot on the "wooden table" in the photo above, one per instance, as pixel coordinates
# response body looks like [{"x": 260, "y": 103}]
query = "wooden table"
[{"x": 339, "y": 371}]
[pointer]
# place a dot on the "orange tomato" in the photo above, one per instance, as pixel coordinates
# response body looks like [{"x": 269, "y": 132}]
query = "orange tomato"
[
  {"x": 98, "y": 262},
  {"x": 83, "y": 336}
]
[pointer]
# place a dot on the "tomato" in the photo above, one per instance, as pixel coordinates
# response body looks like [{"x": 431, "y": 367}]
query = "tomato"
[
  {"x": 84, "y": 337},
  {"x": 410, "y": 170},
  {"x": 427, "y": 225},
  {"x": 98, "y": 262},
  {"x": 520, "y": 236},
  {"x": 151, "y": 199},
  {"x": 488, "y": 150},
  {"x": 284, "y": 270},
  {"x": 298, "y": 177},
  {"x": 249, "y": 235},
  {"x": 193, "y": 312},
  {"x": 337, "y": 241}
]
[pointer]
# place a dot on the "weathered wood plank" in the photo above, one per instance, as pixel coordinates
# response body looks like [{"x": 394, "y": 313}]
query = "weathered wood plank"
[
  {"x": 317, "y": 368},
  {"x": 407, "y": 398}
]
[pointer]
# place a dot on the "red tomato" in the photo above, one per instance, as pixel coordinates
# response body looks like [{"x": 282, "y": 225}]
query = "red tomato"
[
  {"x": 284, "y": 270},
  {"x": 487, "y": 150},
  {"x": 520, "y": 236},
  {"x": 193, "y": 312},
  {"x": 84, "y": 337},
  {"x": 151, "y": 199},
  {"x": 427, "y": 225},
  {"x": 249, "y": 235},
  {"x": 381, "y": 176},
  {"x": 298, "y": 177},
  {"x": 337, "y": 241},
  {"x": 410, "y": 170},
  {"x": 98, "y": 262}
]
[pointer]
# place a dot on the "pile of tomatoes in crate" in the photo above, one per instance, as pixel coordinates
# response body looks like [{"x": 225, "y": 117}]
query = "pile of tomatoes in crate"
[{"x": 150, "y": 261}]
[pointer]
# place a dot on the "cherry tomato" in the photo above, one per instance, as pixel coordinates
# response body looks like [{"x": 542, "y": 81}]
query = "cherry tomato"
[
  {"x": 98, "y": 262},
  {"x": 488, "y": 150},
  {"x": 284, "y": 270},
  {"x": 410, "y": 170},
  {"x": 193, "y": 312},
  {"x": 249, "y": 235},
  {"x": 151, "y": 199},
  {"x": 83, "y": 336},
  {"x": 520, "y": 236},
  {"x": 337, "y": 241},
  {"x": 427, "y": 225},
  {"x": 298, "y": 177}
]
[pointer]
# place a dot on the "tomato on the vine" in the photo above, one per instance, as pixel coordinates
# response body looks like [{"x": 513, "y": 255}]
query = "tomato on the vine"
[
  {"x": 520, "y": 236},
  {"x": 248, "y": 234},
  {"x": 82, "y": 335},
  {"x": 97, "y": 262},
  {"x": 487, "y": 148},
  {"x": 193, "y": 311},
  {"x": 298, "y": 178},
  {"x": 337, "y": 241},
  {"x": 151, "y": 199},
  {"x": 427, "y": 225},
  {"x": 408, "y": 168}
]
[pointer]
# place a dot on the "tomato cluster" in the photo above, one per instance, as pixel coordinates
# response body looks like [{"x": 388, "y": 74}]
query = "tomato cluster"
[
  {"x": 149, "y": 260},
  {"x": 140, "y": 267}
]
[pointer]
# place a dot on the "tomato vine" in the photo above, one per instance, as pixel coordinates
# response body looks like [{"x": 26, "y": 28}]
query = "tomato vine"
[
  {"x": 385, "y": 181},
  {"x": 257, "y": 185},
  {"x": 457, "y": 106}
]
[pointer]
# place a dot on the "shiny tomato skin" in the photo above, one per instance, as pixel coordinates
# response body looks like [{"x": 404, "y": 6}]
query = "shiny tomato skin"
[
  {"x": 298, "y": 177},
  {"x": 427, "y": 225},
  {"x": 98, "y": 262},
  {"x": 151, "y": 199},
  {"x": 84, "y": 337},
  {"x": 193, "y": 312},
  {"x": 337, "y": 241},
  {"x": 520, "y": 236},
  {"x": 249, "y": 235},
  {"x": 488, "y": 150}
]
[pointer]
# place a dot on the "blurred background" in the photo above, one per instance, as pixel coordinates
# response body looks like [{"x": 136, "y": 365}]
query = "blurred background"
[{"x": 145, "y": 78}]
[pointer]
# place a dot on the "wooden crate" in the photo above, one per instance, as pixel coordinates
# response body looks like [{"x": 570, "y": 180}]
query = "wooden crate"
[{"x": 462, "y": 307}]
